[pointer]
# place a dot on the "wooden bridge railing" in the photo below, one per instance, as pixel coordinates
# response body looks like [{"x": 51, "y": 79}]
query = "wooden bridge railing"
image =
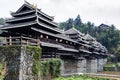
[{"x": 20, "y": 41}]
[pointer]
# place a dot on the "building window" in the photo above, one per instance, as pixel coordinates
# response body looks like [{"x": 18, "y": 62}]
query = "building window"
[
  {"x": 56, "y": 39},
  {"x": 60, "y": 40},
  {"x": 41, "y": 36},
  {"x": 47, "y": 37}
]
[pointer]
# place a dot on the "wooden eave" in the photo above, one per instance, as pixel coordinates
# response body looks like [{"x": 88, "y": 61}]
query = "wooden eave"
[
  {"x": 49, "y": 27},
  {"x": 87, "y": 45},
  {"x": 74, "y": 36},
  {"x": 63, "y": 54},
  {"x": 59, "y": 47},
  {"x": 103, "y": 54},
  {"x": 50, "y": 22},
  {"x": 96, "y": 53},
  {"x": 27, "y": 12},
  {"x": 68, "y": 49},
  {"x": 50, "y": 45},
  {"x": 20, "y": 18},
  {"x": 48, "y": 33},
  {"x": 73, "y": 31},
  {"x": 26, "y": 4},
  {"x": 9, "y": 26},
  {"x": 22, "y": 13},
  {"x": 86, "y": 51},
  {"x": 80, "y": 40},
  {"x": 45, "y": 15}
]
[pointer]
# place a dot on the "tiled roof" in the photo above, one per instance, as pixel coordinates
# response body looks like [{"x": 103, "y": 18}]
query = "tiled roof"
[
  {"x": 73, "y": 31},
  {"x": 89, "y": 37}
]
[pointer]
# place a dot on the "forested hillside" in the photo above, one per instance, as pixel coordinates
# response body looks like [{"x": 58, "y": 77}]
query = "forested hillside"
[
  {"x": 2, "y": 21},
  {"x": 107, "y": 35}
]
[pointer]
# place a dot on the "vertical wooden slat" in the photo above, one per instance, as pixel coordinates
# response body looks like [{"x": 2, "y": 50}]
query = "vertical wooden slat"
[{"x": 10, "y": 40}]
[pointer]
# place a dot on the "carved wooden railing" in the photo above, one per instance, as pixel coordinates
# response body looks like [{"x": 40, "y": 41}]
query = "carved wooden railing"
[{"x": 20, "y": 41}]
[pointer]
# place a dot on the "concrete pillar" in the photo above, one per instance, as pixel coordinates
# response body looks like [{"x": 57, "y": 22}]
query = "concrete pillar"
[
  {"x": 69, "y": 66},
  {"x": 81, "y": 66},
  {"x": 88, "y": 65},
  {"x": 93, "y": 66},
  {"x": 100, "y": 64},
  {"x": 104, "y": 61}
]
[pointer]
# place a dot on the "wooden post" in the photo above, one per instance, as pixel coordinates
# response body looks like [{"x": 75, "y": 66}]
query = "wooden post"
[
  {"x": 6, "y": 42},
  {"x": 27, "y": 42},
  {"x": 10, "y": 40},
  {"x": 20, "y": 40},
  {"x": 38, "y": 42}
]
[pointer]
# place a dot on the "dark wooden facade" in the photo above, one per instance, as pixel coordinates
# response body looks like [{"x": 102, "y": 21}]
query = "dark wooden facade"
[{"x": 30, "y": 26}]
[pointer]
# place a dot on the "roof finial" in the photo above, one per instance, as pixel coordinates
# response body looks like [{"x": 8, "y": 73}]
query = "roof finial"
[
  {"x": 36, "y": 6},
  {"x": 25, "y": 1},
  {"x": 32, "y": 5}
]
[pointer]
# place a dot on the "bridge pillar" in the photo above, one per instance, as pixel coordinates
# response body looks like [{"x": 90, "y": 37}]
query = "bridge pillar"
[
  {"x": 91, "y": 65},
  {"x": 17, "y": 63},
  {"x": 69, "y": 66},
  {"x": 26, "y": 63},
  {"x": 100, "y": 63},
  {"x": 81, "y": 66}
]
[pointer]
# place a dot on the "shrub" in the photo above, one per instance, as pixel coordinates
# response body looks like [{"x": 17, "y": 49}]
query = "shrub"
[
  {"x": 36, "y": 52},
  {"x": 51, "y": 68},
  {"x": 81, "y": 77},
  {"x": 1, "y": 71}
]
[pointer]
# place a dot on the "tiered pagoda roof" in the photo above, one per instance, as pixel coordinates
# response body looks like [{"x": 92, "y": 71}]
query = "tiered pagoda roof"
[
  {"x": 75, "y": 35},
  {"x": 28, "y": 8},
  {"x": 27, "y": 15},
  {"x": 73, "y": 31},
  {"x": 88, "y": 40},
  {"x": 98, "y": 46}
]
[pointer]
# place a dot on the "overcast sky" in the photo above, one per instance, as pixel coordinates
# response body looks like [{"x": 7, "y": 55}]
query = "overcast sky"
[{"x": 97, "y": 11}]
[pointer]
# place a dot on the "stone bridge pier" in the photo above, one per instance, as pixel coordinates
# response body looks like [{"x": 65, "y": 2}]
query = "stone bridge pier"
[
  {"x": 17, "y": 62},
  {"x": 83, "y": 65}
]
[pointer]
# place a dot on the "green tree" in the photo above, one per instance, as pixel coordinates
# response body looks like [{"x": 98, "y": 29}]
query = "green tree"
[
  {"x": 2, "y": 21},
  {"x": 77, "y": 21},
  {"x": 69, "y": 24}
]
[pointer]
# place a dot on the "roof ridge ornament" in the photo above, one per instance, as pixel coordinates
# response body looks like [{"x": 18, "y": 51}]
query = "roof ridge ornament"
[
  {"x": 32, "y": 5},
  {"x": 35, "y": 6}
]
